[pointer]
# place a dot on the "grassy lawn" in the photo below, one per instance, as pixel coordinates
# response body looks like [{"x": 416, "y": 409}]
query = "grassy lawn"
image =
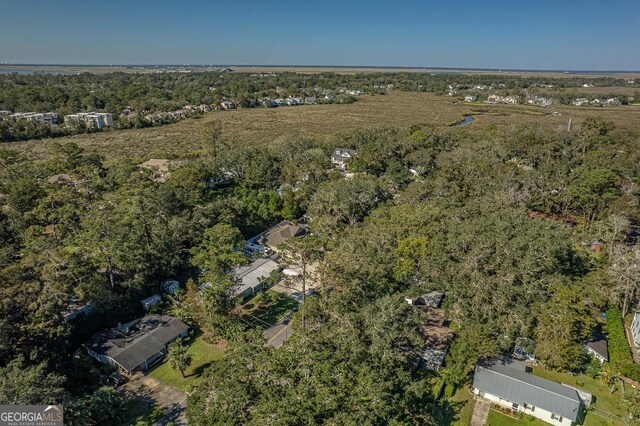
[
  {"x": 137, "y": 412},
  {"x": 203, "y": 355},
  {"x": 269, "y": 307},
  {"x": 462, "y": 403},
  {"x": 603, "y": 400}
]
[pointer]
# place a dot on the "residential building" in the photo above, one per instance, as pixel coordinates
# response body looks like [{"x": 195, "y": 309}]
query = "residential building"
[
  {"x": 251, "y": 278},
  {"x": 511, "y": 99},
  {"x": 92, "y": 120},
  {"x": 150, "y": 302},
  {"x": 580, "y": 102},
  {"x": 341, "y": 156},
  {"x": 137, "y": 345},
  {"x": 77, "y": 309},
  {"x": 509, "y": 384},
  {"x": 635, "y": 328},
  {"x": 598, "y": 349},
  {"x": 39, "y": 117},
  {"x": 436, "y": 338},
  {"x": 539, "y": 100},
  {"x": 310, "y": 100},
  {"x": 275, "y": 236}
]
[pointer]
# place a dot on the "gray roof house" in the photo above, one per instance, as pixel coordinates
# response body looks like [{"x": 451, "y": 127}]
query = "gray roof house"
[
  {"x": 340, "y": 156},
  {"x": 509, "y": 384},
  {"x": 136, "y": 345},
  {"x": 250, "y": 279}
]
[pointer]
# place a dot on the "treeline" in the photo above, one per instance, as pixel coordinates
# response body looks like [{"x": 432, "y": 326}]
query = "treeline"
[
  {"x": 131, "y": 97},
  {"x": 75, "y": 227}
]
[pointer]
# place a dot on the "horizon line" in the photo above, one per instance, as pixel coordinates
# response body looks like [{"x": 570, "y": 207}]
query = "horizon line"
[{"x": 411, "y": 67}]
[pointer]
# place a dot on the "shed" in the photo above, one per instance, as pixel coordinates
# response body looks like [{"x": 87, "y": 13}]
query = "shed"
[{"x": 150, "y": 302}]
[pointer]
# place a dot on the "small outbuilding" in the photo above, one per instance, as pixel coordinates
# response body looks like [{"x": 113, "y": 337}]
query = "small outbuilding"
[
  {"x": 170, "y": 286},
  {"x": 150, "y": 302}
]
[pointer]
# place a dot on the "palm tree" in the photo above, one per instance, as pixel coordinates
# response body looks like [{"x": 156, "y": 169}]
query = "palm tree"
[{"x": 179, "y": 356}]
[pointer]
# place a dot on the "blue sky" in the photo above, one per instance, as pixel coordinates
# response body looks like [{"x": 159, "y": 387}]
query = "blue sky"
[{"x": 560, "y": 34}]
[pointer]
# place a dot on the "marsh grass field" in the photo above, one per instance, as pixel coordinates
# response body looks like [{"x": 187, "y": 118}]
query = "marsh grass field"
[{"x": 262, "y": 125}]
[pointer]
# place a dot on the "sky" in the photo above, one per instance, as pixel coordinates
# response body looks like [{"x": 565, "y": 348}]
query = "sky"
[{"x": 513, "y": 34}]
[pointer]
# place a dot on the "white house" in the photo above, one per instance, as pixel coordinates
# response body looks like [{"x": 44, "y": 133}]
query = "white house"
[
  {"x": 341, "y": 156},
  {"x": 635, "y": 328},
  {"x": 93, "y": 120},
  {"x": 507, "y": 383},
  {"x": 39, "y": 117}
]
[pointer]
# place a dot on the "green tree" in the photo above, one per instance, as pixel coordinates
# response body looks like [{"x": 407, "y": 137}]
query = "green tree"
[
  {"x": 563, "y": 324},
  {"x": 24, "y": 384},
  {"x": 179, "y": 356}
]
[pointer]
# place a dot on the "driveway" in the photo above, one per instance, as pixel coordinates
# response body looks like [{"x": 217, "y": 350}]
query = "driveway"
[
  {"x": 293, "y": 287},
  {"x": 280, "y": 332},
  {"x": 173, "y": 401},
  {"x": 480, "y": 412}
]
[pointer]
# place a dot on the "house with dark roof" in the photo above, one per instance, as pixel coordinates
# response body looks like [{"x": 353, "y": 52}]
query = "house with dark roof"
[
  {"x": 436, "y": 337},
  {"x": 77, "y": 309},
  {"x": 281, "y": 233},
  {"x": 251, "y": 278},
  {"x": 509, "y": 384},
  {"x": 137, "y": 345},
  {"x": 598, "y": 349},
  {"x": 268, "y": 241}
]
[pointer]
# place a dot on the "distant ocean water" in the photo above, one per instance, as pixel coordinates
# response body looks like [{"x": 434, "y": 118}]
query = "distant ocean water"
[{"x": 23, "y": 71}]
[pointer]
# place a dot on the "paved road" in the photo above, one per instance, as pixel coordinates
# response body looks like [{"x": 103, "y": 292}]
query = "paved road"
[
  {"x": 280, "y": 332},
  {"x": 173, "y": 401},
  {"x": 480, "y": 412}
]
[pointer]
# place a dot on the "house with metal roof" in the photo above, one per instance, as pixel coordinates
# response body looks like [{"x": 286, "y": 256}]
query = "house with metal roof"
[
  {"x": 509, "y": 384},
  {"x": 137, "y": 345},
  {"x": 251, "y": 278}
]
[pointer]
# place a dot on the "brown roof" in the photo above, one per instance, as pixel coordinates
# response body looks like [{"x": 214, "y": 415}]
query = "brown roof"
[{"x": 281, "y": 233}]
